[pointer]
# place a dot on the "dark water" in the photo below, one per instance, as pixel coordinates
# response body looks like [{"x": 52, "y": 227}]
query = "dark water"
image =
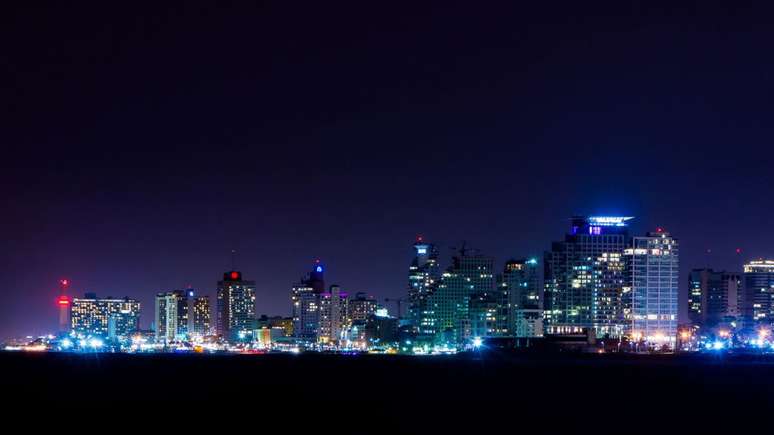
[{"x": 604, "y": 391}]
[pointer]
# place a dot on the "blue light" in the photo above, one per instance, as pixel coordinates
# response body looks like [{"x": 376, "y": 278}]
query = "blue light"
[
  {"x": 66, "y": 343},
  {"x": 477, "y": 342},
  {"x": 421, "y": 251},
  {"x": 190, "y": 293},
  {"x": 718, "y": 345},
  {"x": 319, "y": 269}
]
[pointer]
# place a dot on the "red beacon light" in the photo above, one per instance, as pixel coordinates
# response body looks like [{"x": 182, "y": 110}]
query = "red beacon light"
[
  {"x": 235, "y": 275},
  {"x": 63, "y": 301}
]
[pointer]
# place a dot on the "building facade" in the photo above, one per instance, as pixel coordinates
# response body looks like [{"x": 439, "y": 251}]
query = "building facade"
[
  {"x": 104, "y": 317},
  {"x": 522, "y": 305},
  {"x": 758, "y": 293},
  {"x": 334, "y": 305},
  {"x": 583, "y": 277},
  {"x": 653, "y": 278},
  {"x": 236, "y": 319},
  {"x": 201, "y": 324},
  {"x": 305, "y": 299},
  {"x": 423, "y": 279},
  {"x": 173, "y": 315},
  {"x": 447, "y": 310},
  {"x": 714, "y": 297}
]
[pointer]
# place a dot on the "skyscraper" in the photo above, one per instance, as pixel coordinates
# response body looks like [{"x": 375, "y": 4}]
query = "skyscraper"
[
  {"x": 201, "y": 316},
  {"x": 653, "y": 276},
  {"x": 758, "y": 293},
  {"x": 361, "y": 307},
  {"x": 105, "y": 317},
  {"x": 522, "y": 305},
  {"x": 305, "y": 299},
  {"x": 713, "y": 297},
  {"x": 447, "y": 310},
  {"x": 172, "y": 315},
  {"x": 333, "y": 314},
  {"x": 423, "y": 279},
  {"x": 235, "y": 307},
  {"x": 583, "y": 277}
]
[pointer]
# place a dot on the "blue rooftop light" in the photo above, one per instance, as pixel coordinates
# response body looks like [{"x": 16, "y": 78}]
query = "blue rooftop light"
[{"x": 609, "y": 221}]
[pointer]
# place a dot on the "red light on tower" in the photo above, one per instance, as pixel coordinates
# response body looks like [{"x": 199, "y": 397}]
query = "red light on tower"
[
  {"x": 738, "y": 250},
  {"x": 234, "y": 275},
  {"x": 63, "y": 301}
]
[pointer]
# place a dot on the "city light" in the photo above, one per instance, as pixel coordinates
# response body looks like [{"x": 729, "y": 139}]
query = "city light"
[
  {"x": 95, "y": 343},
  {"x": 477, "y": 342}
]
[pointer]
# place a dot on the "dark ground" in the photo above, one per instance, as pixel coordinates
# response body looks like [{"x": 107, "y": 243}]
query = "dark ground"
[{"x": 577, "y": 391}]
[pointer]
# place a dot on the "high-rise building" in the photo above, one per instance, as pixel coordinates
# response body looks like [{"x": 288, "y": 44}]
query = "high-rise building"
[
  {"x": 333, "y": 314},
  {"x": 758, "y": 293},
  {"x": 105, "y": 317},
  {"x": 713, "y": 297},
  {"x": 173, "y": 315},
  {"x": 235, "y": 307},
  {"x": 653, "y": 276},
  {"x": 485, "y": 315},
  {"x": 447, "y": 312},
  {"x": 522, "y": 304},
  {"x": 305, "y": 299},
  {"x": 201, "y": 316},
  {"x": 361, "y": 307},
  {"x": 583, "y": 277},
  {"x": 423, "y": 279}
]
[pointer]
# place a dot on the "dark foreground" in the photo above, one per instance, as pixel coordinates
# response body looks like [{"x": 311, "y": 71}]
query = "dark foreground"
[{"x": 605, "y": 391}]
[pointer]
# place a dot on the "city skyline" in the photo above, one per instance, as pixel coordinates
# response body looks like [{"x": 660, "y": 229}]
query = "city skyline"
[{"x": 443, "y": 262}]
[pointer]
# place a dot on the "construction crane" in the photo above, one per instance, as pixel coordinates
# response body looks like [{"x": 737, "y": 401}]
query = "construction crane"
[{"x": 398, "y": 302}]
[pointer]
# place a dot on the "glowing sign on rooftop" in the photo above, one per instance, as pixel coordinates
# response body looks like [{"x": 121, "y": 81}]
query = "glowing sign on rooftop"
[{"x": 609, "y": 221}]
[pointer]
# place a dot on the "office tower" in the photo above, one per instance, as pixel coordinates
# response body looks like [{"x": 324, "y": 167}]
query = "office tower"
[
  {"x": 423, "y": 279},
  {"x": 653, "y": 274},
  {"x": 361, "y": 307},
  {"x": 201, "y": 316},
  {"x": 305, "y": 298},
  {"x": 758, "y": 292},
  {"x": 235, "y": 307},
  {"x": 485, "y": 315},
  {"x": 713, "y": 297},
  {"x": 333, "y": 314},
  {"x": 522, "y": 304},
  {"x": 447, "y": 307},
  {"x": 105, "y": 317},
  {"x": 583, "y": 283},
  {"x": 173, "y": 315}
]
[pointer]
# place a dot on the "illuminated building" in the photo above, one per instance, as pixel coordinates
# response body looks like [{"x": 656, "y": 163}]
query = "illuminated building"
[
  {"x": 235, "y": 307},
  {"x": 423, "y": 279},
  {"x": 447, "y": 307},
  {"x": 583, "y": 277},
  {"x": 201, "y": 316},
  {"x": 653, "y": 275},
  {"x": 758, "y": 292},
  {"x": 172, "y": 315},
  {"x": 361, "y": 307},
  {"x": 522, "y": 304},
  {"x": 104, "y": 317},
  {"x": 484, "y": 314},
  {"x": 305, "y": 299},
  {"x": 713, "y": 297},
  {"x": 284, "y": 324},
  {"x": 333, "y": 314}
]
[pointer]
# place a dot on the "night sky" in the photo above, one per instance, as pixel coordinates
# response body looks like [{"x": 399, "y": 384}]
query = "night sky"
[{"x": 141, "y": 144}]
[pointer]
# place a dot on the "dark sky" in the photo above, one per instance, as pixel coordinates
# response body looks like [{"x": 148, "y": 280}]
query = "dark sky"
[{"x": 142, "y": 143}]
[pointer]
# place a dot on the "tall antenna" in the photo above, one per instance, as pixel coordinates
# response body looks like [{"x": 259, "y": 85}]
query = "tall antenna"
[{"x": 233, "y": 259}]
